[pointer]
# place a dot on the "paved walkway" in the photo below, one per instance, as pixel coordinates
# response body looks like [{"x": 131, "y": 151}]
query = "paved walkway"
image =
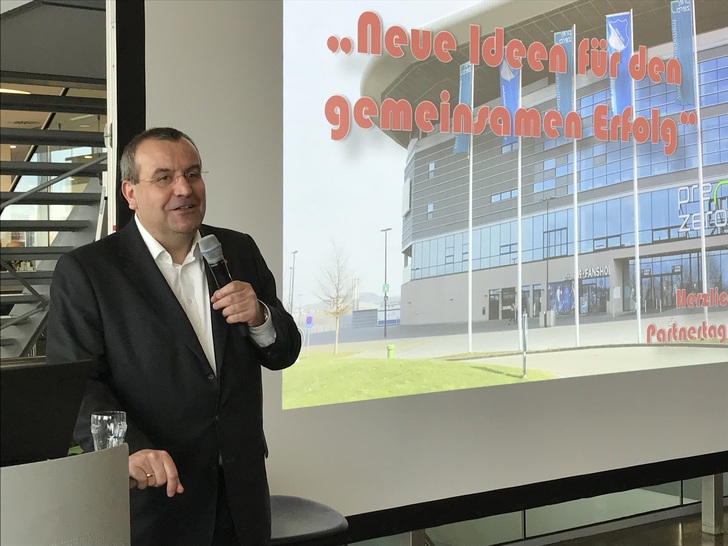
[
  {"x": 613, "y": 359},
  {"x": 607, "y": 346}
]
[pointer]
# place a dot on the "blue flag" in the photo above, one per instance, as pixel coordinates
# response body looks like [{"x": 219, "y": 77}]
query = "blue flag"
[
  {"x": 510, "y": 84},
  {"x": 682, "y": 46},
  {"x": 619, "y": 39},
  {"x": 565, "y": 82},
  {"x": 462, "y": 140}
]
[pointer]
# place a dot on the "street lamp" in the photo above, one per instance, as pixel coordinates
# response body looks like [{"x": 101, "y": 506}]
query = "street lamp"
[
  {"x": 293, "y": 277},
  {"x": 385, "y": 288}
]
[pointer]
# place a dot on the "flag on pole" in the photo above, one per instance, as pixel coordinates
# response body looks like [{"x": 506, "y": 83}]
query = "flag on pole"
[
  {"x": 622, "y": 95},
  {"x": 462, "y": 140},
  {"x": 619, "y": 40},
  {"x": 510, "y": 84},
  {"x": 681, "y": 13},
  {"x": 565, "y": 81}
]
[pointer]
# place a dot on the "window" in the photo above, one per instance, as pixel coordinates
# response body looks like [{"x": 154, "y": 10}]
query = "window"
[
  {"x": 605, "y": 220},
  {"x": 406, "y": 196},
  {"x": 510, "y": 194},
  {"x": 449, "y": 249},
  {"x": 555, "y": 242},
  {"x": 509, "y": 147},
  {"x": 549, "y": 184},
  {"x": 511, "y": 248}
]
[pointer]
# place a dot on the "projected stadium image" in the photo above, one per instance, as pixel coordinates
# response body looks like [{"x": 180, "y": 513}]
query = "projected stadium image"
[{"x": 470, "y": 203}]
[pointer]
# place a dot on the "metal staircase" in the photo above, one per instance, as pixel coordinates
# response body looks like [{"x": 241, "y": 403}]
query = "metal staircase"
[{"x": 52, "y": 170}]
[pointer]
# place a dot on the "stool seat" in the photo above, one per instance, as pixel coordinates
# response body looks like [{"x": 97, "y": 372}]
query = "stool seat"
[{"x": 294, "y": 519}]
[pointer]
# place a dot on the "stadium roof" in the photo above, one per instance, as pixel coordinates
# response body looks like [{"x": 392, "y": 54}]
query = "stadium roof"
[{"x": 529, "y": 21}]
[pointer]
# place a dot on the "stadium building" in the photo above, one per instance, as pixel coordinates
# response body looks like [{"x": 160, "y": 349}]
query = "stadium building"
[{"x": 436, "y": 180}]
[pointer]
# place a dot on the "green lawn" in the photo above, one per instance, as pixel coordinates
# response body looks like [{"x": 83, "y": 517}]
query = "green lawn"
[{"x": 325, "y": 378}]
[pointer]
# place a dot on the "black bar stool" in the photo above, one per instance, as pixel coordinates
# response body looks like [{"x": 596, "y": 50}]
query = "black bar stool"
[{"x": 296, "y": 521}]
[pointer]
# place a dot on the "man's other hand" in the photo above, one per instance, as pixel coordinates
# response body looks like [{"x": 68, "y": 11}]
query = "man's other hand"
[{"x": 154, "y": 468}]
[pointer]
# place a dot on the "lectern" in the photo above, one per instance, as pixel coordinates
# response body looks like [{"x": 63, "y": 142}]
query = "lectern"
[{"x": 71, "y": 501}]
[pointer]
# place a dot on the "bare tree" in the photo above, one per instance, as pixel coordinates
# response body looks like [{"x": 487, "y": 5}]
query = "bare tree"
[{"x": 335, "y": 288}]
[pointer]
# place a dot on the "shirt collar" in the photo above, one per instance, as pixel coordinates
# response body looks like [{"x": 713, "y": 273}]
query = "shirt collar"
[{"x": 158, "y": 251}]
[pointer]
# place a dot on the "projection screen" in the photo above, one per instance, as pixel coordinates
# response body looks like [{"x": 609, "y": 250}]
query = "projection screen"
[{"x": 610, "y": 374}]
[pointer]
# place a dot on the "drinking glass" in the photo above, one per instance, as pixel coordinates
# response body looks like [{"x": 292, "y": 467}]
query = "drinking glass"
[{"x": 108, "y": 429}]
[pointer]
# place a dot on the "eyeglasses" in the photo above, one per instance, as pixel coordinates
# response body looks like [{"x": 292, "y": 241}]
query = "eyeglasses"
[{"x": 192, "y": 176}]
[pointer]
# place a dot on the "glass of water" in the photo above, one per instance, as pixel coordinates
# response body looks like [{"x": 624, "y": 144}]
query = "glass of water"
[{"x": 108, "y": 429}]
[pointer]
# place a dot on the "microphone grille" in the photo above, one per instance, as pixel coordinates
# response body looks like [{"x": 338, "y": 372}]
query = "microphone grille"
[{"x": 211, "y": 249}]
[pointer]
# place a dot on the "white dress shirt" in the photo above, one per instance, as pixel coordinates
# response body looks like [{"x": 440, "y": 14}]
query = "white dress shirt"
[{"x": 189, "y": 284}]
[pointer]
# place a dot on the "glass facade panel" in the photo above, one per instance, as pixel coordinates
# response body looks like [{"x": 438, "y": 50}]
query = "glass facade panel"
[
  {"x": 665, "y": 214},
  {"x": 567, "y": 515},
  {"x": 600, "y": 219},
  {"x": 535, "y": 522},
  {"x": 660, "y": 211},
  {"x": 484, "y": 532},
  {"x": 614, "y": 216},
  {"x": 663, "y": 275},
  {"x": 527, "y": 234}
]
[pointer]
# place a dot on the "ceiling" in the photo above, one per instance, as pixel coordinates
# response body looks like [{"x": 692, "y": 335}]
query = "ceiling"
[
  {"x": 46, "y": 46},
  {"x": 63, "y": 38}
]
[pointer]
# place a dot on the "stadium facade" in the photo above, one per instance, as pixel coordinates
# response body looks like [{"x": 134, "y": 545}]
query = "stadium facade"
[{"x": 436, "y": 182}]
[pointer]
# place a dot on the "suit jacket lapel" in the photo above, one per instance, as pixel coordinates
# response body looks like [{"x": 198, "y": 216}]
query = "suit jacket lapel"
[{"x": 139, "y": 266}]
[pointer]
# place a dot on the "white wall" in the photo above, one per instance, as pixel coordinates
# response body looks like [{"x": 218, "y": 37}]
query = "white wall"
[{"x": 214, "y": 71}]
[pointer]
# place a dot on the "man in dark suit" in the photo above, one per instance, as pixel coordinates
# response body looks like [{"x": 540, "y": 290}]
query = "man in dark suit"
[{"x": 169, "y": 350}]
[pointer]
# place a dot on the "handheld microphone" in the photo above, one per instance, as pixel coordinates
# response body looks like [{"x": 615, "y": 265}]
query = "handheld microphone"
[{"x": 211, "y": 250}]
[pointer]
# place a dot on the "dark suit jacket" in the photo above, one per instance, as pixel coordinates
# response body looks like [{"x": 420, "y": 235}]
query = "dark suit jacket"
[{"x": 110, "y": 303}]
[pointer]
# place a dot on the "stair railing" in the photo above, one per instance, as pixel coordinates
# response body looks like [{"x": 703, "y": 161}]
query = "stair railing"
[
  {"x": 42, "y": 300},
  {"x": 49, "y": 183}
]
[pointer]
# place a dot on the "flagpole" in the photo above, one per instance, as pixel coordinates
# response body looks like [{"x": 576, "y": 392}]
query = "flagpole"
[
  {"x": 470, "y": 216},
  {"x": 519, "y": 288},
  {"x": 511, "y": 100},
  {"x": 575, "y": 183},
  {"x": 635, "y": 190},
  {"x": 696, "y": 79}
]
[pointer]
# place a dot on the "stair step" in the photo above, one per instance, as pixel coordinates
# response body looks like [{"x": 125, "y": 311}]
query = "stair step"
[
  {"x": 48, "y": 169},
  {"x": 53, "y": 80},
  {"x": 13, "y": 299},
  {"x": 53, "y": 103},
  {"x": 13, "y": 281},
  {"x": 6, "y": 318},
  {"x": 5, "y": 341},
  {"x": 54, "y": 198},
  {"x": 35, "y": 252},
  {"x": 9, "y": 135},
  {"x": 33, "y": 277},
  {"x": 44, "y": 225}
]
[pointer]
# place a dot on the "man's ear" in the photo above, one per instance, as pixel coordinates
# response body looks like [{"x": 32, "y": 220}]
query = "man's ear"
[{"x": 127, "y": 190}]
